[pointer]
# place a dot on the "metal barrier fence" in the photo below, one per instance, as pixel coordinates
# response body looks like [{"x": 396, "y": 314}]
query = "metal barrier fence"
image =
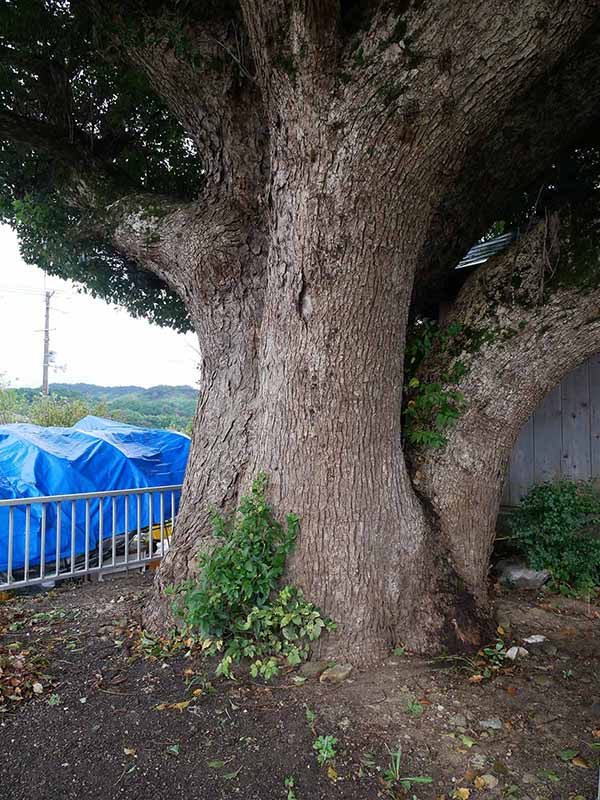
[{"x": 45, "y": 539}]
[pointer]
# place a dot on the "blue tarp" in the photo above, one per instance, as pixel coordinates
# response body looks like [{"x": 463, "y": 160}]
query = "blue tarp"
[{"x": 95, "y": 455}]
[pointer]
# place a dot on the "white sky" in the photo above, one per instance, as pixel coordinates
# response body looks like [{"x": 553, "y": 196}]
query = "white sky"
[{"x": 94, "y": 342}]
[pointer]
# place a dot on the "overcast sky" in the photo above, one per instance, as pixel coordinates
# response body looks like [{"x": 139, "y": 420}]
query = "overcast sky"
[{"x": 93, "y": 342}]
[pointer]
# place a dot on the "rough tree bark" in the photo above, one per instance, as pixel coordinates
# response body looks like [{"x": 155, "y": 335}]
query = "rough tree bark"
[{"x": 339, "y": 152}]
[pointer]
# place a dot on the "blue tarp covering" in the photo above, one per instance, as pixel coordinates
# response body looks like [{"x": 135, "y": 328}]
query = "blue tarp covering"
[{"x": 95, "y": 455}]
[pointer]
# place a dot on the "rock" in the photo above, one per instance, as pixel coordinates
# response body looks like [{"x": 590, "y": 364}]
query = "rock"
[
  {"x": 515, "y": 574},
  {"x": 493, "y": 724},
  {"x": 535, "y": 640},
  {"x": 311, "y": 669},
  {"x": 336, "y": 674},
  {"x": 516, "y": 652},
  {"x": 458, "y": 721},
  {"x": 529, "y": 778}
]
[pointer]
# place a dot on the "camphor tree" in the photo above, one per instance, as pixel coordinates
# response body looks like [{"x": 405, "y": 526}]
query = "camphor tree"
[{"x": 296, "y": 180}]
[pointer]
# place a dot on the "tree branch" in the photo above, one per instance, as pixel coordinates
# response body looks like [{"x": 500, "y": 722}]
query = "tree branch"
[
  {"x": 291, "y": 42},
  {"x": 540, "y": 328},
  {"x": 196, "y": 248},
  {"x": 43, "y": 137},
  {"x": 544, "y": 123},
  {"x": 204, "y": 73}
]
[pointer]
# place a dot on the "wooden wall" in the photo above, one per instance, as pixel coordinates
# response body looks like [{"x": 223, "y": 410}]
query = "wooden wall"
[{"x": 562, "y": 437}]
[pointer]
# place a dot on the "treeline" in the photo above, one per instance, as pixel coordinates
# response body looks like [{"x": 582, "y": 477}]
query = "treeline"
[{"x": 169, "y": 407}]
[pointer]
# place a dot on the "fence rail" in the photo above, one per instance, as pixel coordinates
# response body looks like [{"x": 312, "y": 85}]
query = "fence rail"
[{"x": 45, "y": 539}]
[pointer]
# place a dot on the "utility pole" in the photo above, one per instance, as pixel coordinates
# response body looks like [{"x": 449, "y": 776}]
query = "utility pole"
[{"x": 45, "y": 386}]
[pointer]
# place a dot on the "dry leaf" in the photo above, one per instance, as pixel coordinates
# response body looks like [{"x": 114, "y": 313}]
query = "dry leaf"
[
  {"x": 500, "y": 630},
  {"x": 197, "y": 692},
  {"x": 461, "y": 794},
  {"x": 37, "y": 688},
  {"x": 479, "y": 783},
  {"x": 129, "y": 751},
  {"x": 173, "y": 706},
  {"x": 331, "y": 773},
  {"x": 476, "y": 678},
  {"x": 578, "y": 761},
  {"x": 512, "y": 690}
]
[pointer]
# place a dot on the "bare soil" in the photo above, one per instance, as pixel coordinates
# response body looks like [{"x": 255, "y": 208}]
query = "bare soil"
[{"x": 95, "y": 721}]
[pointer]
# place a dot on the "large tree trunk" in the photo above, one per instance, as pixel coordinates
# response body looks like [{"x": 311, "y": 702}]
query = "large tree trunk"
[
  {"x": 307, "y": 386},
  {"x": 331, "y": 378}
]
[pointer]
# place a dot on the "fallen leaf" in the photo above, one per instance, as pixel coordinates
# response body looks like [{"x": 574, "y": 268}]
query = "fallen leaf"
[
  {"x": 467, "y": 741},
  {"x": 174, "y": 749},
  {"x": 173, "y": 706},
  {"x": 479, "y": 783},
  {"x": 216, "y": 764},
  {"x": 475, "y": 679},
  {"x": 500, "y": 630},
  {"x": 197, "y": 692},
  {"x": 229, "y": 776},
  {"x": 578, "y": 761},
  {"x": 331, "y": 773},
  {"x": 545, "y": 773},
  {"x": 129, "y": 751},
  {"x": 567, "y": 755},
  {"x": 461, "y": 794},
  {"x": 512, "y": 690}
]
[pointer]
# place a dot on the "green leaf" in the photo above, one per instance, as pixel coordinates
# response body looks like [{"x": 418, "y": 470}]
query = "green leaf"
[
  {"x": 567, "y": 755},
  {"x": 229, "y": 776}
]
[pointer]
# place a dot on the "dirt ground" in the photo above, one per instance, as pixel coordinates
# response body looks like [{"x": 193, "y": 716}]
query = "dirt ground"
[{"x": 99, "y": 720}]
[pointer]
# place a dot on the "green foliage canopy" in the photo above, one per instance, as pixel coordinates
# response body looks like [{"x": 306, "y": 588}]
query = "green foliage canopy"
[{"x": 58, "y": 69}]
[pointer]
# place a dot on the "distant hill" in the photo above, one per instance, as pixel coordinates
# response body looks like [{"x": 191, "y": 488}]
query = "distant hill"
[{"x": 157, "y": 407}]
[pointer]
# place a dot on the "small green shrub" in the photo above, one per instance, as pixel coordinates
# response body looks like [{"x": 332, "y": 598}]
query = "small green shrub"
[
  {"x": 431, "y": 407},
  {"x": 324, "y": 746},
  {"x": 235, "y": 604},
  {"x": 553, "y": 529}
]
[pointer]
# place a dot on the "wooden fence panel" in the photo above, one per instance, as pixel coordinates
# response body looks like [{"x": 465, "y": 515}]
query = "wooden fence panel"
[
  {"x": 521, "y": 463},
  {"x": 594, "y": 366},
  {"x": 562, "y": 437},
  {"x": 547, "y": 441},
  {"x": 576, "y": 442}
]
